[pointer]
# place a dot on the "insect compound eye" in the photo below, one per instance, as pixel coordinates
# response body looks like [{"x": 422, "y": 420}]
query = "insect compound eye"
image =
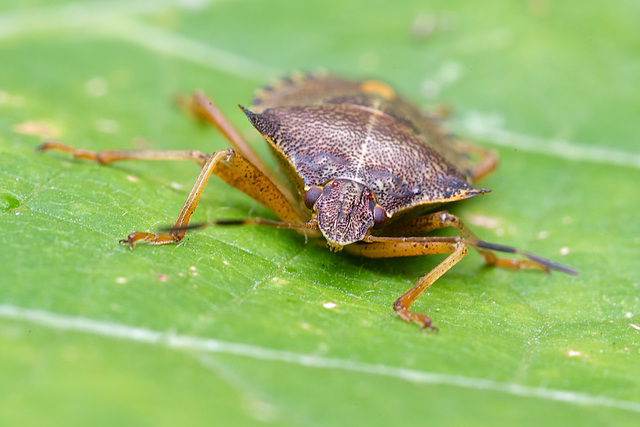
[
  {"x": 379, "y": 216},
  {"x": 311, "y": 196}
]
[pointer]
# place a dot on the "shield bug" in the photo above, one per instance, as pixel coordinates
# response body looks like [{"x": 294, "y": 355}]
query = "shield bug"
[{"x": 365, "y": 169}]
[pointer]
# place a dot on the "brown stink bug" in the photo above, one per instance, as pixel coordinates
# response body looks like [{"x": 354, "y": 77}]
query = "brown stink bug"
[{"x": 366, "y": 170}]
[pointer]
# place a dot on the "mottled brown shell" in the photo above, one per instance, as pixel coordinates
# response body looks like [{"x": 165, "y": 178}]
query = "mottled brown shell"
[{"x": 327, "y": 128}]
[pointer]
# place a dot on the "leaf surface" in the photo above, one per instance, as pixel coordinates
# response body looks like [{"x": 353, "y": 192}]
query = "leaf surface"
[{"x": 250, "y": 325}]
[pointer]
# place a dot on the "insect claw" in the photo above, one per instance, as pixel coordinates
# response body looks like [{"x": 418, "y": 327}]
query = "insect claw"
[
  {"x": 431, "y": 328},
  {"x": 128, "y": 242},
  {"x": 137, "y": 236}
]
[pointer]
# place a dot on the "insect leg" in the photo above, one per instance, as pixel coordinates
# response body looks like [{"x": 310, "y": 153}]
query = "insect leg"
[
  {"x": 205, "y": 109},
  {"x": 236, "y": 171},
  {"x": 488, "y": 161},
  {"x": 398, "y": 246},
  {"x": 119, "y": 155},
  {"x": 484, "y": 160},
  {"x": 443, "y": 219}
]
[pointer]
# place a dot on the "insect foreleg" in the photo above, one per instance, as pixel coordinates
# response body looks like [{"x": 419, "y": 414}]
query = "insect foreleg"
[
  {"x": 389, "y": 247},
  {"x": 236, "y": 171}
]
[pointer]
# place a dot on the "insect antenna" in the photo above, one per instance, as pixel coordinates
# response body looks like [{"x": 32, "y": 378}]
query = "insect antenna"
[
  {"x": 311, "y": 225},
  {"x": 538, "y": 259}
]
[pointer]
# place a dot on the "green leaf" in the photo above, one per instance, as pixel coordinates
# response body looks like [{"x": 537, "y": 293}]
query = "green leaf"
[{"x": 251, "y": 325}]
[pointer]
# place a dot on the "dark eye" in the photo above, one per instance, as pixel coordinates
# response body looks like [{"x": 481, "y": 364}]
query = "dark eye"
[
  {"x": 311, "y": 196},
  {"x": 379, "y": 216}
]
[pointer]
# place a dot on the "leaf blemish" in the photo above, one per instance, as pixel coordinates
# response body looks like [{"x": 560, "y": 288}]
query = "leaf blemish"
[
  {"x": 32, "y": 127},
  {"x": 96, "y": 87},
  {"x": 483, "y": 221},
  {"x": 107, "y": 126},
  {"x": 279, "y": 281}
]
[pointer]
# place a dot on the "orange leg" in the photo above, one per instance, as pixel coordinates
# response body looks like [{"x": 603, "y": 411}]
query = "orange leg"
[
  {"x": 487, "y": 164},
  {"x": 486, "y": 160},
  {"x": 256, "y": 180},
  {"x": 398, "y": 246},
  {"x": 203, "y": 108},
  {"x": 238, "y": 172},
  {"x": 443, "y": 219},
  {"x": 111, "y": 156},
  {"x": 226, "y": 164}
]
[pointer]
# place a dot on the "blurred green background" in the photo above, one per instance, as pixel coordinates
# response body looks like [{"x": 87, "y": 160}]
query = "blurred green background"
[{"x": 251, "y": 326}]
